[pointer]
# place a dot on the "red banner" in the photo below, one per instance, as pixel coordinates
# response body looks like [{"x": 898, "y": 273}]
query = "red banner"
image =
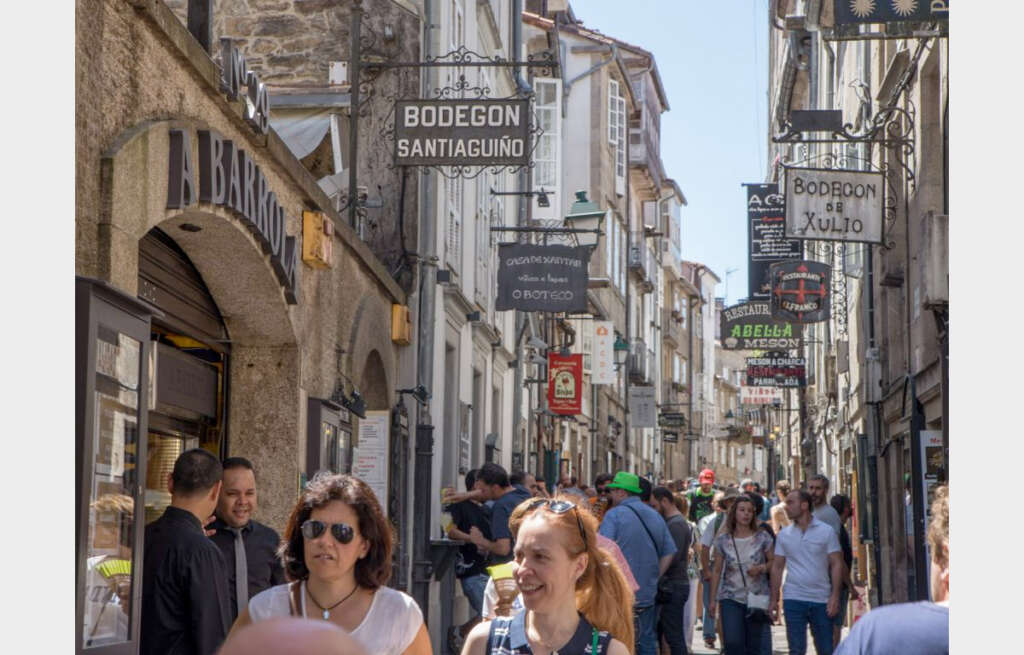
[{"x": 565, "y": 383}]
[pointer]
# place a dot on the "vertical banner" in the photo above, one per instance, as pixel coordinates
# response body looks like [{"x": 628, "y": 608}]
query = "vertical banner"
[
  {"x": 766, "y": 237},
  {"x": 565, "y": 383},
  {"x": 602, "y": 367},
  {"x": 370, "y": 460},
  {"x": 643, "y": 411}
]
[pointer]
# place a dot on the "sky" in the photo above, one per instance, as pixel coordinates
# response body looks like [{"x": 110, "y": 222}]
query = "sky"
[{"x": 713, "y": 61}]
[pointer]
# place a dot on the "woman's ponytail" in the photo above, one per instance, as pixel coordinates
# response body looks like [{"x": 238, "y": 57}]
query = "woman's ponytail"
[{"x": 603, "y": 596}]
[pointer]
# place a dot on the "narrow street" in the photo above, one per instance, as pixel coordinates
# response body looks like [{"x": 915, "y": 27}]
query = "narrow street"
[{"x": 779, "y": 646}]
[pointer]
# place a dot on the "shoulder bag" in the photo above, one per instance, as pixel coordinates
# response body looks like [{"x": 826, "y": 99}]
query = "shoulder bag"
[
  {"x": 663, "y": 594},
  {"x": 757, "y": 604}
]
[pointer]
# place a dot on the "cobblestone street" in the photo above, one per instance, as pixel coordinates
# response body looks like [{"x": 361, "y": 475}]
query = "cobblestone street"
[{"x": 779, "y": 646}]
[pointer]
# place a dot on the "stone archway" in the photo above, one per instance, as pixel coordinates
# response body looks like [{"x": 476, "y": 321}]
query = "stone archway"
[{"x": 374, "y": 383}]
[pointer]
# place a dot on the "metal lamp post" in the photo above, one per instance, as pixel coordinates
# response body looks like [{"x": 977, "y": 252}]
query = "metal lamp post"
[{"x": 588, "y": 217}]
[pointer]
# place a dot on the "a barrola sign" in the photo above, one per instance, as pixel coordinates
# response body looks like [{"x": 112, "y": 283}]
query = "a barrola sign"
[
  {"x": 750, "y": 326},
  {"x": 834, "y": 205},
  {"x": 462, "y": 132},
  {"x": 229, "y": 178}
]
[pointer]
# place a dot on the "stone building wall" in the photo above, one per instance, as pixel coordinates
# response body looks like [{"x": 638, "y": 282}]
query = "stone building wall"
[{"x": 138, "y": 74}]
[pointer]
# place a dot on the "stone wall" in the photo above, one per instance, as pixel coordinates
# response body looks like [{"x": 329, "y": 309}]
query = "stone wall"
[
  {"x": 139, "y": 73},
  {"x": 291, "y": 44}
]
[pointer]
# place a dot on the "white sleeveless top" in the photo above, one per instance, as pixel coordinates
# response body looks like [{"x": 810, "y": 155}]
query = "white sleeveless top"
[{"x": 387, "y": 629}]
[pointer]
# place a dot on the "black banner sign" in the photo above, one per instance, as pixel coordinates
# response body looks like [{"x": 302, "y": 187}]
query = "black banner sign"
[
  {"x": 462, "y": 133},
  {"x": 750, "y": 326},
  {"x": 542, "y": 278},
  {"x": 766, "y": 237},
  {"x": 801, "y": 291},
  {"x": 776, "y": 372},
  {"x": 855, "y": 12}
]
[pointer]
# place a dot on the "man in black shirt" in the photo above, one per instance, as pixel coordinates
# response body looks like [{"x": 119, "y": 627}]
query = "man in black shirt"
[
  {"x": 494, "y": 483},
  {"x": 674, "y": 584},
  {"x": 249, "y": 547},
  {"x": 471, "y": 566},
  {"x": 184, "y": 589},
  {"x": 844, "y": 508}
]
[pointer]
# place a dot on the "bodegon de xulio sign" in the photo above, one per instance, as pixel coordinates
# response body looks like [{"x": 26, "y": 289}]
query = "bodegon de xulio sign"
[
  {"x": 462, "y": 132},
  {"x": 229, "y": 178},
  {"x": 542, "y": 278},
  {"x": 834, "y": 205},
  {"x": 750, "y": 326}
]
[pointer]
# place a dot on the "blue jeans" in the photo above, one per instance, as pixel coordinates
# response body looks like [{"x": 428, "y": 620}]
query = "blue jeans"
[
  {"x": 742, "y": 636},
  {"x": 473, "y": 588},
  {"x": 800, "y": 613},
  {"x": 644, "y": 621},
  {"x": 709, "y": 623},
  {"x": 671, "y": 620}
]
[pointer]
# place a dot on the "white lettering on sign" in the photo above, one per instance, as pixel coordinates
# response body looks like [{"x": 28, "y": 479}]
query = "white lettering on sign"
[
  {"x": 834, "y": 205},
  {"x": 462, "y": 115}
]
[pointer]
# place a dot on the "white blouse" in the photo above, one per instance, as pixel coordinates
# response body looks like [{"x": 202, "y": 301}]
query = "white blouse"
[{"x": 387, "y": 629}]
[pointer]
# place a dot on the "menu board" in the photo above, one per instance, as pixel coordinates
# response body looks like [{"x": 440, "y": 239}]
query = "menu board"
[{"x": 370, "y": 458}]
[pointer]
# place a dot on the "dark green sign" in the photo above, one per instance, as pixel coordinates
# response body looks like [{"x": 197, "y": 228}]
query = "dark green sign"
[{"x": 750, "y": 326}]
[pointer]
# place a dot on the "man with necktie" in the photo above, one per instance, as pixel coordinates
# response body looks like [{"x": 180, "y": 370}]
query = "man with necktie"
[{"x": 249, "y": 547}]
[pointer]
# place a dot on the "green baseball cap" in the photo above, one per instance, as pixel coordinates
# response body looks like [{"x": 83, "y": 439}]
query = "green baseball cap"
[{"x": 626, "y": 481}]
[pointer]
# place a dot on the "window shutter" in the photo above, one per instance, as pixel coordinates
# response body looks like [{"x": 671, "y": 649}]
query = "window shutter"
[
  {"x": 547, "y": 173},
  {"x": 613, "y": 113}
]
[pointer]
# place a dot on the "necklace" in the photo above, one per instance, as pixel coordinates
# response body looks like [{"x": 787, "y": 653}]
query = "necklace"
[
  {"x": 541, "y": 641},
  {"x": 327, "y": 610}
]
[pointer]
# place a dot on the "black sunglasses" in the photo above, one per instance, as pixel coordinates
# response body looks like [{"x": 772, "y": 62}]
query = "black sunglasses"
[
  {"x": 342, "y": 532},
  {"x": 561, "y": 507}
]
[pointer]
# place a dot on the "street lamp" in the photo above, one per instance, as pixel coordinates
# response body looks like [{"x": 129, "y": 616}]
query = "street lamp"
[
  {"x": 586, "y": 216},
  {"x": 621, "y": 349}
]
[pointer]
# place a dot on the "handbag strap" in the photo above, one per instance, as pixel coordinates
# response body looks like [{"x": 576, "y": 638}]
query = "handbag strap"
[
  {"x": 295, "y": 598},
  {"x": 739, "y": 562},
  {"x": 646, "y": 529}
]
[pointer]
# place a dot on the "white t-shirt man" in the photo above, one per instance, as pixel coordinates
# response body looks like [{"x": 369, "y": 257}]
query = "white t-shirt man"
[{"x": 807, "y": 567}]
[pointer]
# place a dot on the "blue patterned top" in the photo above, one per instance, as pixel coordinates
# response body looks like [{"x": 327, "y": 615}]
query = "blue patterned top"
[{"x": 508, "y": 637}]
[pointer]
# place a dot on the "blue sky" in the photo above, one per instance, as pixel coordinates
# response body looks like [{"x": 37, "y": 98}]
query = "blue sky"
[{"x": 713, "y": 60}]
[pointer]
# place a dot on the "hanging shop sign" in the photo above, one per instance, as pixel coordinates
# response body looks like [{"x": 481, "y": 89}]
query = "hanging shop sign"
[
  {"x": 643, "y": 410},
  {"x": 760, "y": 395},
  {"x": 750, "y": 326},
  {"x": 671, "y": 420},
  {"x": 766, "y": 237},
  {"x": 602, "y": 369},
  {"x": 229, "y": 178},
  {"x": 801, "y": 291},
  {"x": 856, "y": 12},
  {"x": 462, "y": 133},
  {"x": 542, "y": 278},
  {"x": 776, "y": 371},
  {"x": 565, "y": 383},
  {"x": 670, "y": 436},
  {"x": 834, "y": 205}
]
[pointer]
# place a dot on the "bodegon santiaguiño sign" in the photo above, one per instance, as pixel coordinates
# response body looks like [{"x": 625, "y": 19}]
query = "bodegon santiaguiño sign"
[
  {"x": 462, "y": 133},
  {"x": 542, "y": 278},
  {"x": 750, "y": 326},
  {"x": 855, "y": 12},
  {"x": 834, "y": 205},
  {"x": 801, "y": 291},
  {"x": 766, "y": 237}
]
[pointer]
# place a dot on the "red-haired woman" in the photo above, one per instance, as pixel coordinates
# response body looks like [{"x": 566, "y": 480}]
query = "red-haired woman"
[{"x": 577, "y": 600}]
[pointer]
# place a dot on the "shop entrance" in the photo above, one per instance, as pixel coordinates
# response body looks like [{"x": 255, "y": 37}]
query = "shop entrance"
[{"x": 190, "y": 349}]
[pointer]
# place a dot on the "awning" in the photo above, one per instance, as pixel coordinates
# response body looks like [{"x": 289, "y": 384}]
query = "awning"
[{"x": 303, "y": 128}]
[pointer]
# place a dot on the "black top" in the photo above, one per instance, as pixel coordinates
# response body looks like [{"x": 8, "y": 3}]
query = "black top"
[
  {"x": 466, "y": 515},
  {"x": 682, "y": 535},
  {"x": 508, "y": 637},
  {"x": 844, "y": 543},
  {"x": 261, "y": 543},
  {"x": 500, "y": 513},
  {"x": 184, "y": 589}
]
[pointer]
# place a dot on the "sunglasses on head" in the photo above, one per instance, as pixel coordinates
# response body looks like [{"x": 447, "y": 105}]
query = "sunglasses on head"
[
  {"x": 342, "y": 532},
  {"x": 561, "y": 507}
]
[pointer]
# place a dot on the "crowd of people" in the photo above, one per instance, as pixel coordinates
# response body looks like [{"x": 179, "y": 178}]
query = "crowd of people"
[{"x": 624, "y": 566}]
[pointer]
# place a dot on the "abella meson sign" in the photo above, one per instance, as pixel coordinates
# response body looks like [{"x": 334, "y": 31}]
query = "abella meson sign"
[
  {"x": 229, "y": 177},
  {"x": 462, "y": 133},
  {"x": 750, "y": 326}
]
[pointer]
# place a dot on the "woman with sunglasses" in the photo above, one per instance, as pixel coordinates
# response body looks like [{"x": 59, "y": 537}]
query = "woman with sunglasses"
[
  {"x": 743, "y": 564},
  {"x": 576, "y": 598},
  {"x": 337, "y": 550}
]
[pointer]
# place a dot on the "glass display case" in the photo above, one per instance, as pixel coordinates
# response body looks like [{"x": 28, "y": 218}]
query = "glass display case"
[{"x": 111, "y": 411}]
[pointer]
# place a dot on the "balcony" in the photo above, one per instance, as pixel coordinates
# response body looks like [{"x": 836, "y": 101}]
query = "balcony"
[
  {"x": 672, "y": 329},
  {"x": 641, "y": 262},
  {"x": 639, "y": 364},
  {"x": 643, "y": 154}
]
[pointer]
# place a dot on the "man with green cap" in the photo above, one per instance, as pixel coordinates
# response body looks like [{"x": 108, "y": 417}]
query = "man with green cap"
[{"x": 648, "y": 547}]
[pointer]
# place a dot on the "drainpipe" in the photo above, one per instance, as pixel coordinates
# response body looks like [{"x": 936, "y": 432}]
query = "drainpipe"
[{"x": 423, "y": 469}]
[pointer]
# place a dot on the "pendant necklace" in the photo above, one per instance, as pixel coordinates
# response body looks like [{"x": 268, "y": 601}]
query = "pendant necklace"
[{"x": 327, "y": 610}]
